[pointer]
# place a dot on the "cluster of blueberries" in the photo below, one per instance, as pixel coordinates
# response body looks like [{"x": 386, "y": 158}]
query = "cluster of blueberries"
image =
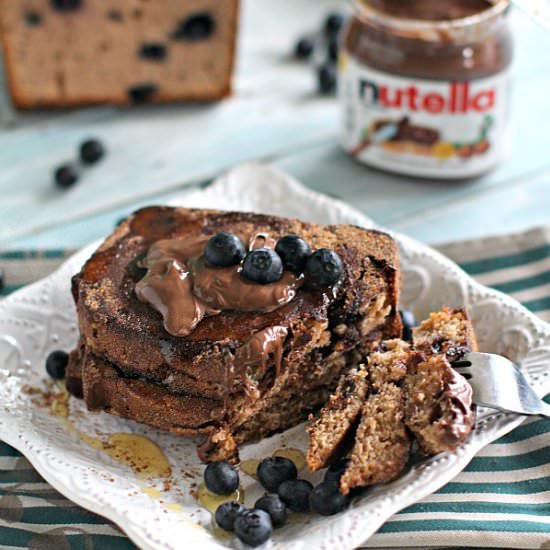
[
  {"x": 308, "y": 45},
  {"x": 321, "y": 268},
  {"x": 89, "y": 152},
  {"x": 279, "y": 476}
]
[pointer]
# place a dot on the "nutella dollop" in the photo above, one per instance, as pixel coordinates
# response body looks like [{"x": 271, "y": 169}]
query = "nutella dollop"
[
  {"x": 183, "y": 288},
  {"x": 424, "y": 85},
  {"x": 224, "y": 288}
]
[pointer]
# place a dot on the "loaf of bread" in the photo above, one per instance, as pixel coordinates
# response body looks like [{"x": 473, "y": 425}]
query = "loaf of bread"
[{"x": 75, "y": 52}]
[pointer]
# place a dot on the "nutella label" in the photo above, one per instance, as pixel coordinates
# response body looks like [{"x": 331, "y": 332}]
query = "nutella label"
[{"x": 422, "y": 127}]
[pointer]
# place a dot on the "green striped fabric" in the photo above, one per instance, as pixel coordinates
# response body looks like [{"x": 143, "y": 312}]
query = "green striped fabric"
[{"x": 501, "y": 500}]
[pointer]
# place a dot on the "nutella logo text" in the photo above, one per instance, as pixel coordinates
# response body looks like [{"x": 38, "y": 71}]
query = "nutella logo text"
[{"x": 459, "y": 98}]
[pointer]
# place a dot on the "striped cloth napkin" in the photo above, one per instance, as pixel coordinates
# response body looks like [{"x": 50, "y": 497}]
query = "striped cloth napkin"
[{"x": 501, "y": 500}]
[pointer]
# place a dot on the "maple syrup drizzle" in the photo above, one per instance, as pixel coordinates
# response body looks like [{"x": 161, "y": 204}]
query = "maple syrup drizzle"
[
  {"x": 211, "y": 501},
  {"x": 293, "y": 454},
  {"x": 139, "y": 453}
]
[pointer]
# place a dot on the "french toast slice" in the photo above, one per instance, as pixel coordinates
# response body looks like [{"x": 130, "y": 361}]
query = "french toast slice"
[{"x": 323, "y": 332}]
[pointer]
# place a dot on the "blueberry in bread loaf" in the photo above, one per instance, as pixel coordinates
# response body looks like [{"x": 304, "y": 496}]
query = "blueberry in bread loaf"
[
  {"x": 204, "y": 350},
  {"x": 74, "y": 52}
]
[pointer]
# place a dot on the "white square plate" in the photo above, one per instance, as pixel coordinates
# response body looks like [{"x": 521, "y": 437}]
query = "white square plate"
[{"x": 41, "y": 317}]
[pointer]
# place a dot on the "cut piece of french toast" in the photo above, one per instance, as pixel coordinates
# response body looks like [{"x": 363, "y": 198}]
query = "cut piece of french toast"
[
  {"x": 382, "y": 443},
  {"x": 438, "y": 405},
  {"x": 413, "y": 392},
  {"x": 337, "y": 418},
  {"x": 312, "y": 339},
  {"x": 448, "y": 331}
]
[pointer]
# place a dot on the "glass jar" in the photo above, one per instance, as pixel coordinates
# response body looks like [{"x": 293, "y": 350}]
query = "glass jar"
[{"x": 424, "y": 96}]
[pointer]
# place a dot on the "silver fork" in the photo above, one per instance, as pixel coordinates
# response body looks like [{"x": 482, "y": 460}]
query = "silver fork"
[{"x": 498, "y": 383}]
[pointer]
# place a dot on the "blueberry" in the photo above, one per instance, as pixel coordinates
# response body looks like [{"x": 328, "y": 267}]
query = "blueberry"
[
  {"x": 221, "y": 478},
  {"x": 66, "y": 5},
  {"x": 336, "y": 470},
  {"x": 332, "y": 50},
  {"x": 2, "y": 279},
  {"x": 326, "y": 499},
  {"x": 273, "y": 470},
  {"x": 304, "y": 48},
  {"x": 323, "y": 268},
  {"x": 334, "y": 23},
  {"x": 294, "y": 252},
  {"x": 198, "y": 26},
  {"x": 274, "y": 506},
  {"x": 91, "y": 151},
  {"x": 409, "y": 321},
  {"x": 326, "y": 78},
  {"x": 33, "y": 18},
  {"x": 295, "y": 494},
  {"x": 66, "y": 176},
  {"x": 153, "y": 51},
  {"x": 224, "y": 250},
  {"x": 262, "y": 266},
  {"x": 253, "y": 527},
  {"x": 227, "y": 513},
  {"x": 115, "y": 15},
  {"x": 142, "y": 93},
  {"x": 56, "y": 363}
]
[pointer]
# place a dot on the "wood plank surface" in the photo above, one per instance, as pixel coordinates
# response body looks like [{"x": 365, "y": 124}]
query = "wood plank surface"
[{"x": 275, "y": 116}]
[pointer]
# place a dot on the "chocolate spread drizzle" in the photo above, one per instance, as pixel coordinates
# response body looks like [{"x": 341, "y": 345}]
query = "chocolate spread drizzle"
[
  {"x": 183, "y": 288},
  {"x": 251, "y": 359}
]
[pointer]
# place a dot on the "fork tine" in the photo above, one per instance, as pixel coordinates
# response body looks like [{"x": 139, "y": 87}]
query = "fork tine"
[
  {"x": 461, "y": 363},
  {"x": 463, "y": 370},
  {"x": 499, "y": 383}
]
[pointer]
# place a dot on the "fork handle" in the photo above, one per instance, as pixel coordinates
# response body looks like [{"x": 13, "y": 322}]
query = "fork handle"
[{"x": 539, "y": 410}]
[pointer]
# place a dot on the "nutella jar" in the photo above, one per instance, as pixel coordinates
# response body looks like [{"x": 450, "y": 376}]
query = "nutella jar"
[{"x": 424, "y": 85}]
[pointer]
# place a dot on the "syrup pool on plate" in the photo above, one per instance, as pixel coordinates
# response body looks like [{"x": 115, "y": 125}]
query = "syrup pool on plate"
[
  {"x": 211, "y": 501},
  {"x": 142, "y": 455},
  {"x": 250, "y": 465}
]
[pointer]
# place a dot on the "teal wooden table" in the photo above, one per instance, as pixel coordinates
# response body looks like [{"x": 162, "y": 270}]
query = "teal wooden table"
[{"x": 274, "y": 116}]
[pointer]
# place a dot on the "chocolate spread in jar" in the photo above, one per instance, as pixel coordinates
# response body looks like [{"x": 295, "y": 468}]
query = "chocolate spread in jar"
[
  {"x": 431, "y": 10},
  {"x": 423, "y": 85}
]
